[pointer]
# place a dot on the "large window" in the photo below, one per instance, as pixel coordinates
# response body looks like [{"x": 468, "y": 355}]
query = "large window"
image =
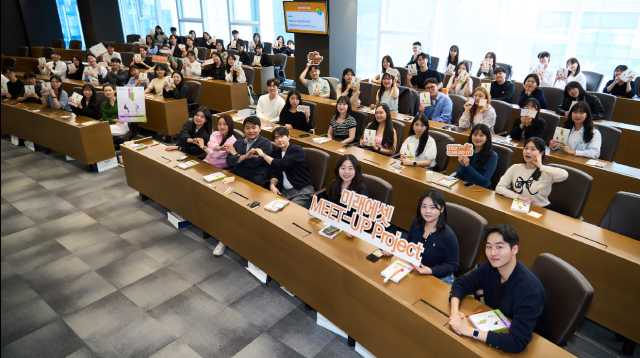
[
  {"x": 600, "y": 33},
  {"x": 70, "y": 21}
]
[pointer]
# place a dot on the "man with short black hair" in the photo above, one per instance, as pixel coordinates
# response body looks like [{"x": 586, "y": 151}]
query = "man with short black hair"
[
  {"x": 548, "y": 75},
  {"x": 243, "y": 164},
  {"x": 323, "y": 85},
  {"x": 115, "y": 75},
  {"x": 424, "y": 73},
  {"x": 245, "y": 59},
  {"x": 270, "y": 105},
  {"x": 414, "y": 58},
  {"x": 106, "y": 57},
  {"x": 501, "y": 89},
  {"x": 508, "y": 285},
  {"x": 93, "y": 71},
  {"x": 236, "y": 39},
  {"x": 15, "y": 87},
  {"x": 32, "y": 80},
  {"x": 174, "y": 31},
  {"x": 288, "y": 171},
  {"x": 440, "y": 106},
  {"x": 55, "y": 66}
]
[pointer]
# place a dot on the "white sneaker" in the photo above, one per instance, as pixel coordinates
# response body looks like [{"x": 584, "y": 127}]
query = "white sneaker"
[{"x": 219, "y": 250}]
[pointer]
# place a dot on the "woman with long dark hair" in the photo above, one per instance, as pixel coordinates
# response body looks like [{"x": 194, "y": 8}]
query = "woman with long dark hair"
[
  {"x": 387, "y": 63},
  {"x": 89, "y": 105},
  {"x": 150, "y": 45},
  {"x": 208, "y": 41},
  {"x": 475, "y": 113},
  {"x": 386, "y": 137},
  {"x": 215, "y": 71},
  {"x": 342, "y": 127},
  {"x": 618, "y": 87},
  {"x": 348, "y": 175},
  {"x": 532, "y": 180},
  {"x": 234, "y": 74},
  {"x": 574, "y": 74},
  {"x": 346, "y": 87},
  {"x": 56, "y": 97},
  {"x": 525, "y": 127},
  {"x": 77, "y": 74},
  {"x": 453, "y": 57},
  {"x": 388, "y": 93},
  {"x": 159, "y": 36},
  {"x": 290, "y": 117},
  {"x": 177, "y": 89},
  {"x": 215, "y": 149},
  {"x": 584, "y": 139},
  {"x": 480, "y": 167},
  {"x": 531, "y": 89},
  {"x": 420, "y": 144},
  {"x": 195, "y": 134},
  {"x": 574, "y": 92},
  {"x": 458, "y": 87},
  {"x": 487, "y": 71},
  {"x": 441, "y": 255}
]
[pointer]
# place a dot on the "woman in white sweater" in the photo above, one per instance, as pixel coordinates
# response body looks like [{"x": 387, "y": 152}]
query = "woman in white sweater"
[
  {"x": 532, "y": 180},
  {"x": 574, "y": 74},
  {"x": 234, "y": 74},
  {"x": 192, "y": 67}
]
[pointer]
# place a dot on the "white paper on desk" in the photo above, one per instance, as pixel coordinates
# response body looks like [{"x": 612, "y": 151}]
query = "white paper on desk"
[
  {"x": 98, "y": 49},
  {"x": 596, "y": 163},
  {"x": 131, "y": 105}
]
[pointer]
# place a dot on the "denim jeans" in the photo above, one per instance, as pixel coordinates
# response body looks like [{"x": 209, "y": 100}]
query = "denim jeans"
[{"x": 448, "y": 279}]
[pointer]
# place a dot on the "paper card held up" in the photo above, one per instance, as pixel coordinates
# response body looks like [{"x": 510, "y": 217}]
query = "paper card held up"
[
  {"x": 455, "y": 150},
  {"x": 314, "y": 58}
]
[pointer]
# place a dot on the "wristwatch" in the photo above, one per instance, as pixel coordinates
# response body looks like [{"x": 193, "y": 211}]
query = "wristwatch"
[
  {"x": 475, "y": 334},
  {"x": 414, "y": 164}
]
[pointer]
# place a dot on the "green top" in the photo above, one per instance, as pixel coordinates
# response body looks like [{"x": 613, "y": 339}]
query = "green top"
[{"x": 109, "y": 112}]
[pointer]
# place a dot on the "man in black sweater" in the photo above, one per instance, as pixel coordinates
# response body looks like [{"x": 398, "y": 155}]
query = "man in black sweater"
[
  {"x": 241, "y": 158},
  {"x": 509, "y": 286},
  {"x": 115, "y": 75},
  {"x": 31, "y": 79},
  {"x": 245, "y": 59},
  {"x": 15, "y": 86},
  {"x": 501, "y": 89},
  {"x": 290, "y": 177},
  {"x": 424, "y": 73}
]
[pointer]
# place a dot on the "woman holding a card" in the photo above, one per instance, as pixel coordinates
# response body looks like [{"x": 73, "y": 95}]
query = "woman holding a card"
[
  {"x": 189, "y": 47},
  {"x": 350, "y": 86},
  {"x": 77, "y": 70},
  {"x": 234, "y": 72},
  {"x": 208, "y": 41},
  {"x": 488, "y": 66},
  {"x": 55, "y": 97},
  {"x": 278, "y": 46},
  {"x": 387, "y": 63},
  {"x": 142, "y": 59},
  {"x": 159, "y": 36},
  {"x": 151, "y": 47},
  {"x": 532, "y": 90},
  {"x": 342, "y": 126},
  {"x": 460, "y": 82},
  {"x": 528, "y": 125},
  {"x": 386, "y": 138},
  {"x": 215, "y": 148},
  {"x": 574, "y": 93},
  {"x": 195, "y": 134},
  {"x": 571, "y": 73},
  {"x": 584, "y": 139},
  {"x": 453, "y": 57},
  {"x": 157, "y": 84},
  {"x": 388, "y": 93},
  {"x": 292, "y": 115},
  {"x": 176, "y": 89},
  {"x": 419, "y": 149},
  {"x": 622, "y": 83},
  {"x": 192, "y": 67},
  {"x": 135, "y": 80},
  {"x": 480, "y": 167},
  {"x": 89, "y": 106},
  {"x": 531, "y": 181},
  {"x": 110, "y": 111},
  {"x": 214, "y": 71},
  {"x": 478, "y": 110},
  {"x": 261, "y": 59}
]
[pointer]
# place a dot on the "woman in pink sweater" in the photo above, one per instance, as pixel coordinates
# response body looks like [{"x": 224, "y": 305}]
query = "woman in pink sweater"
[{"x": 216, "y": 152}]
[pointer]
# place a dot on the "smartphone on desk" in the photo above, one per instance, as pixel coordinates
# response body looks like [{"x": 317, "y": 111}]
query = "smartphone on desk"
[
  {"x": 304, "y": 135},
  {"x": 468, "y": 185},
  {"x": 182, "y": 158},
  {"x": 375, "y": 256}
]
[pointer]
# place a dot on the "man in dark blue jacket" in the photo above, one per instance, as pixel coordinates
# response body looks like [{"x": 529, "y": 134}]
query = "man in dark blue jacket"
[
  {"x": 290, "y": 177},
  {"x": 242, "y": 161},
  {"x": 509, "y": 286}
]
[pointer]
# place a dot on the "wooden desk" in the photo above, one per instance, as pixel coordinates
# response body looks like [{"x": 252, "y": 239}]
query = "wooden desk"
[
  {"x": 24, "y": 64},
  {"x": 260, "y": 78},
  {"x": 165, "y": 115},
  {"x": 87, "y": 144},
  {"x": 579, "y": 243},
  {"x": 332, "y": 276},
  {"x": 289, "y": 67},
  {"x": 627, "y": 111},
  {"x": 222, "y": 96}
]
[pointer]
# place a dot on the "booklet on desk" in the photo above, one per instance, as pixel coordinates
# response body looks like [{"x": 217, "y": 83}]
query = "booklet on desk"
[
  {"x": 330, "y": 232},
  {"x": 490, "y": 321},
  {"x": 214, "y": 177},
  {"x": 520, "y": 206},
  {"x": 397, "y": 271},
  {"x": 276, "y": 205},
  {"x": 320, "y": 140},
  {"x": 447, "y": 181},
  {"x": 596, "y": 163},
  {"x": 187, "y": 165}
]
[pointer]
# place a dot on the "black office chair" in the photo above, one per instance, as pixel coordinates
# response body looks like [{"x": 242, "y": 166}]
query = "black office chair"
[
  {"x": 570, "y": 196},
  {"x": 267, "y": 48},
  {"x": 553, "y": 95},
  {"x": 594, "y": 79},
  {"x": 333, "y": 87},
  {"x": 75, "y": 45},
  {"x": 23, "y": 51},
  {"x": 403, "y": 75},
  {"x": 457, "y": 107},
  {"x": 610, "y": 140},
  {"x": 434, "y": 63},
  {"x": 503, "y": 115},
  {"x": 407, "y": 100},
  {"x": 77, "y": 90},
  {"x": 232, "y": 52},
  {"x": 312, "y": 115},
  {"x": 11, "y": 62},
  {"x": 475, "y": 81},
  {"x": 469, "y": 228},
  {"x": 637, "y": 80},
  {"x": 505, "y": 155},
  {"x": 202, "y": 53},
  {"x": 133, "y": 131},
  {"x": 238, "y": 134},
  {"x": 133, "y": 38},
  {"x": 100, "y": 96},
  {"x": 442, "y": 159},
  {"x": 193, "y": 99},
  {"x": 318, "y": 164},
  {"x": 279, "y": 64},
  {"x": 57, "y": 44},
  {"x": 127, "y": 58},
  {"x": 552, "y": 120},
  {"x": 622, "y": 215},
  {"x": 366, "y": 93},
  {"x": 46, "y": 52},
  {"x": 517, "y": 88},
  {"x": 379, "y": 189},
  {"x": 508, "y": 69},
  {"x": 399, "y": 128},
  {"x": 608, "y": 103},
  {"x": 199, "y": 42},
  {"x": 362, "y": 121},
  {"x": 128, "y": 48}
]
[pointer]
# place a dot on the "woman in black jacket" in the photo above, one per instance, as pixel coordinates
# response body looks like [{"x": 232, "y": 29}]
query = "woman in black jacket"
[
  {"x": 177, "y": 89},
  {"x": 574, "y": 92},
  {"x": 89, "y": 106},
  {"x": 617, "y": 87},
  {"x": 195, "y": 134},
  {"x": 525, "y": 127},
  {"x": 77, "y": 74},
  {"x": 265, "y": 60},
  {"x": 214, "y": 71}
]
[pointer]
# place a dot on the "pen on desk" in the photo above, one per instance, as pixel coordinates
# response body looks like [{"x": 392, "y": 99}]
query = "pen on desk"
[
  {"x": 395, "y": 273},
  {"x": 175, "y": 166},
  {"x": 392, "y": 163},
  {"x": 475, "y": 191},
  {"x": 163, "y": 157},
  {"x": 469, "y": 314},
  {"x": 153, "y": 145}
]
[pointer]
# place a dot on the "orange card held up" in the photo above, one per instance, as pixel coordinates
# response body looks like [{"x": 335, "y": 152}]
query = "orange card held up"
[{"x": 314, "y": 58}]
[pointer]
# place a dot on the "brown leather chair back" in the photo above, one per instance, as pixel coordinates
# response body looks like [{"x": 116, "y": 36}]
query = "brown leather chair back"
[
  {"x": 469, "y": 228},
  {"x": 11, "y": 62},
  {"x": 553, "y": 95},
  {"x": 517, "y": 88},
  {"x": 46, "y": 52},
  {"x": 442, "y": 159},
  {"x": 366, "y": 93},
  {"x": 127, "y": 58},
  {"x": 318, "y": 164},
  {"x": 362, "y": 121},
  {"x": 568, "y": 293},
  {"x": 238, "y": 134},
  {"x": 100, "y": 96},
  {"x": 134, "y": 38},
  {"x": 128, "y": 48},
  {"x": 23, "y": 51},
  {"x": 77, "y": 90},
  {"x": 194, "y": 88},
  {"x": 610, "y": 140},
  {"x": 378, "y": 189},
  {"x": 75, "y": 45},
  {"x": 58, "y": 44},
  {"x": 399, "y": 128},
  {"x": 570, "y": 196},
  {"x": 503, "y": 115},
  {"x": 232, "y": 52},
  {"x": 202, "y": 53},
  {"x": 333, "y": 87},
  {"x": 622, "y": 215},
  {"x": 475, "y": 81},
  {"x": 594, "y": 79},
  {"x": 457, "y": 108},
  {"x": 312, "y": 113},
  {"x": 608, "y": 103},
  {"x": 248, "y": 73},
  {"x": 553, "y": 121},
  {"x": 505, "y": 155}
]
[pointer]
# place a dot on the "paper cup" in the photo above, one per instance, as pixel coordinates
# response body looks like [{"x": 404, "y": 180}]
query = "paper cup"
[{"x": 429, "y": 176}]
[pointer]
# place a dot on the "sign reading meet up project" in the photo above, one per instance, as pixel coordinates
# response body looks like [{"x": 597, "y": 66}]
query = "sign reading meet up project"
[
  {"x": 367, "y": 220},
  {"x": 131, "y": 104},
  {"x": 306, "y": 17}
]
